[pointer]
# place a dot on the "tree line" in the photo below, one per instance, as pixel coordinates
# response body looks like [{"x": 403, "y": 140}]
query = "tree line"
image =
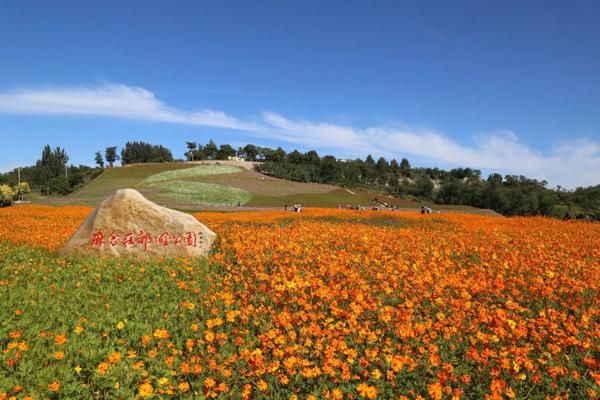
[
  {"x": 508, "y": 195},
  {"x": 134, "y": 153},
  {"x": 51, "y": 174}
]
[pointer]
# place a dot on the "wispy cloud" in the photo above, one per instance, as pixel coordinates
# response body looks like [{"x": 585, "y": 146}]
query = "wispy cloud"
[
  {"x": 570, "y": 164},
  {"x": 113, "y": 101}
]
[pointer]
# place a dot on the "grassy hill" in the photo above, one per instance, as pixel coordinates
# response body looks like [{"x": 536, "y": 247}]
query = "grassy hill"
[{"x": 189, "y": 186}]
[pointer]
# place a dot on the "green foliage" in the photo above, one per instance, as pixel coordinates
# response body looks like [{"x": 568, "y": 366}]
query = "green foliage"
[
  {"x": 111, "y": 155},
  {"x": 51, "y": 174},
  {"x": 57, "y": 295},
  {"x": 141, "y": 152},
  {"x": 202, "y": 193},
  {"x": 191, "y": 149},
  {"x": 99, "y": 160},
  {"x": 21, "y": 189},
  {"x": 509, "y": 195},
  {"x": 405, "y": 167},
  {"x": 203, "y": 170},
  {"x": 6, "y": 195},
  {"x": 225, "y": 151},
  {"x": 249, "y": 152}
]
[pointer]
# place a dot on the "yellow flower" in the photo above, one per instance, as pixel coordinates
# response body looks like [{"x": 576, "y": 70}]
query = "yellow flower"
[
  {"x": 163, "y": 381},
  {"x": 120, "y": 325},
  {"x": 512, "y": 324},
  {"x": 262, "y": 385},
  {"x": 510, "y": 393},
  {"x": 77, "y": 369},
  {"x": 337, "y": 394},
  {"x": 184, "y": 386},
  {"x": 161, "y": 334}
]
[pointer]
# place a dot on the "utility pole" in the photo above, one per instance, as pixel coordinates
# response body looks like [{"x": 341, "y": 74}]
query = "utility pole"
[
  {"x": 66, "y": 177},
  {"x": 19, "y": 178}
]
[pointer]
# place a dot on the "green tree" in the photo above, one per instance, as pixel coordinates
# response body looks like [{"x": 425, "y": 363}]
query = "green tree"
[
  {"x": 141, "y": 152},
  {"x": 50, "y": 170},
  {"x": 279, "y": 155},
  {"x": 99, "y": 160},
  {"x": 21, "y": 189},
  {"x": 330, "y": 169},
  {"x": 210, "y": 150},
  {"x": 394, "y": 167},
  {"x": 381, "y": 168},
  {"x": 6, "y": 195},
  {"x": 405, "y": 167},
  {"x": 111, "y": 155},
  {"x": 225, "y": 151},
  {"x": 53, "y": 161},
  {"x": 191, "y": 149},
  {"x": 250, "y": 151},
  {"x": 424, "y": 187},
  {"x": 312, "y": 157},
  {"x": 295, "y": 157}
]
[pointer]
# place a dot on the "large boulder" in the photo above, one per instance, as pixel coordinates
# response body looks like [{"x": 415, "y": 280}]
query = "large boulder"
[{"x": 128, "y": 224}]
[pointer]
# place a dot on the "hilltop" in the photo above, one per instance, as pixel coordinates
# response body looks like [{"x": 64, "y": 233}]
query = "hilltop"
[{"x": 222, "y": 185}]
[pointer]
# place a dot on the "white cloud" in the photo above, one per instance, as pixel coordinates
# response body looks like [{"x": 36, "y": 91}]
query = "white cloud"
[
  {"x": 112, "y": 101},
  {"x": 322, "y": 135},
  {"x": 569, "y": 164}
]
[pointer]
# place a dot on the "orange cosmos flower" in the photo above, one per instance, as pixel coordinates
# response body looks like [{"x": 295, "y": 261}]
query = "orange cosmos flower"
[
  {"x": 60, "y": 339},
  {"x": 145, "y": 389},
  {"x": 435, "y": 390},
  {"x": 114, "y": 357},
  {"x": 54, "y": 386}
]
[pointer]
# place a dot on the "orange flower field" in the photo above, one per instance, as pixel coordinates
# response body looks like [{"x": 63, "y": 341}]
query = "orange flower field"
[{"x": 324, "y": 304}]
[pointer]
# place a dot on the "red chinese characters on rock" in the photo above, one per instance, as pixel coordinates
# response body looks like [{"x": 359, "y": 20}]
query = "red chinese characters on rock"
[
  {"x": 98, "y": 239},
  {"x": 113, "y": 239},
  {"x": 146, "y": 239},
  {"x": 164, "y": 238},
  {"x": 129, "y": 240}
]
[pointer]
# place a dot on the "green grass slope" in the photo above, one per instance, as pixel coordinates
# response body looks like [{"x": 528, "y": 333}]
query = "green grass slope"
[
  {"x": 194, "y": 187},
  {"x": 190, "y": 186}
]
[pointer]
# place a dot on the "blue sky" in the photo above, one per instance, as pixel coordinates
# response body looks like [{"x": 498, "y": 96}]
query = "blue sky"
[{"x": 507, "y": 86}]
